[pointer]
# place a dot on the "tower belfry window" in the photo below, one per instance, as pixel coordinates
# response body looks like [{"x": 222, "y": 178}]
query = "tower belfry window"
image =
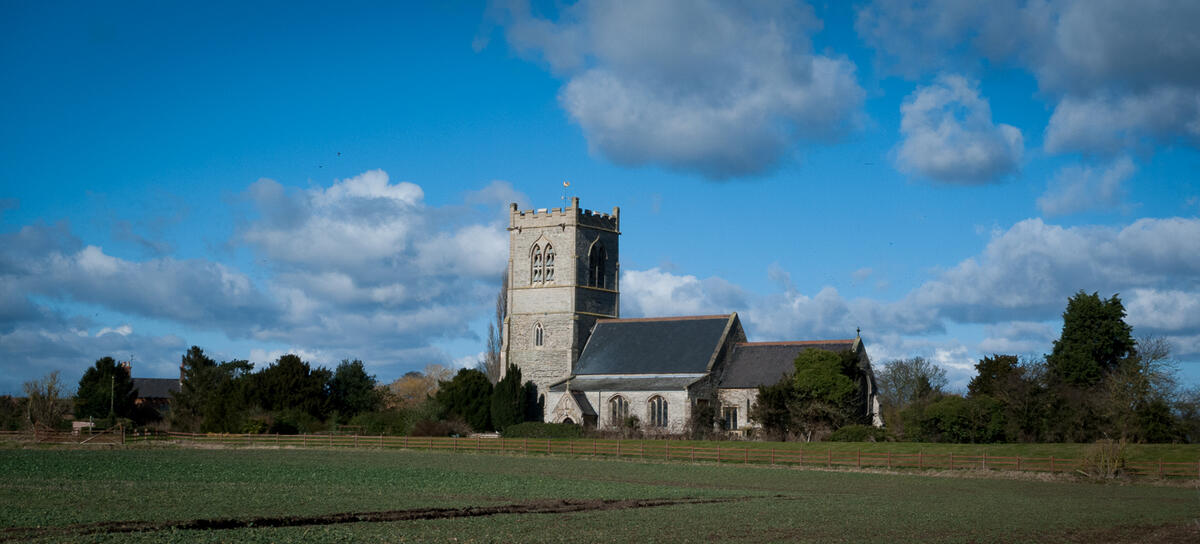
[
  {"x": 597, "y": 265},
  {"x": 549, "y": 263},
  {"x": 536, "y": 265},
  {"x": 538, "y": 335}
]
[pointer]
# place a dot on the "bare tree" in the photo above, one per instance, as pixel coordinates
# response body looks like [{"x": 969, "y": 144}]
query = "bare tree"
[
  {"x": 44, "y": 406},
  {"x": 1145, "y": 377},
  {"x": 491, "y": 359}
]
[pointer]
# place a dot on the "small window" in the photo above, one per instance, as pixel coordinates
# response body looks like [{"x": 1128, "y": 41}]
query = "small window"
[
  {"x": 658, "y": 412},
  {"x": 729, "y": 418},
  {"x": 619, "y": 410},
  {"x": 549, "y": 263},
  {"x": 538, "y": 335},
  {"x": 536, "y": 265}
]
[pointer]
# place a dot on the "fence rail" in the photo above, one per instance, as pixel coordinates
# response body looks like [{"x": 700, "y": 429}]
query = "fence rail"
[{"x": 665, "y": 450}]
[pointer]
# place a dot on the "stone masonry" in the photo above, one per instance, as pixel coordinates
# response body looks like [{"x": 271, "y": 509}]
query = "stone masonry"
[{"x": 566, "y": 305}]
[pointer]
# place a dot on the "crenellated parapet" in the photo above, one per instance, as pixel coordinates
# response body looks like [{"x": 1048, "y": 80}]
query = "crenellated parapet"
[{"x": 573, "y": 216}]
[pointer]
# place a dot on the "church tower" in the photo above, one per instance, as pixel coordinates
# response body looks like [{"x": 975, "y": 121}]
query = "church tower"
[{"x": 562, "y": 277}]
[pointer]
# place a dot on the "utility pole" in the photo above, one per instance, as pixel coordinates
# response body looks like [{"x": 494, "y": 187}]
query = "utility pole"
[{"x": 112, "y": 387}]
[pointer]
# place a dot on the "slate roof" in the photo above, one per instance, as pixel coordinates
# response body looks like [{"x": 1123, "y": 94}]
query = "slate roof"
[
  {"x": 763, "y": 363},
  {"x": 584, "y": 406},
  {"x": 668, "y": 345},
  {"x": 620, "y": 383},
  {"x": 155, "y": 388}
]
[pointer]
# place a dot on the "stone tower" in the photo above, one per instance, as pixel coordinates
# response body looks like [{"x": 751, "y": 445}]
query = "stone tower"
[{"x": 562, "y": 277}]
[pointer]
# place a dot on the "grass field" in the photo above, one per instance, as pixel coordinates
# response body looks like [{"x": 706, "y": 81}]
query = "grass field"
[{"x": 73, "y": 495}]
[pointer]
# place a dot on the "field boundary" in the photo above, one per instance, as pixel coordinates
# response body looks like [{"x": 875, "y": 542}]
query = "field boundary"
[{"x": 665, "y": 451}]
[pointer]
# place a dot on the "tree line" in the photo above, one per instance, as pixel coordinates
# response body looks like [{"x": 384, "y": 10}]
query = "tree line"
[{"x": 1097, "y": 382}]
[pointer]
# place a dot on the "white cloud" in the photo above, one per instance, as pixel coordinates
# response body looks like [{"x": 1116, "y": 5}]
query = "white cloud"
[
  {"x": 1016, "y": 288},
  {"x": 123, "y": 330},
  {"x": 1080, "y": 188},
  {"x": 1112, "y": 122},
  {"x": 722, "y": 89},
  {"x": 1117, "y": 72},
  {"x": 360, "y": 269},
  {"x": 949, "y": 135}
]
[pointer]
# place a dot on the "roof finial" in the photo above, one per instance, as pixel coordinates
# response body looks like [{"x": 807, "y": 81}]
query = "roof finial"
[{"x": 858, "y": 332}]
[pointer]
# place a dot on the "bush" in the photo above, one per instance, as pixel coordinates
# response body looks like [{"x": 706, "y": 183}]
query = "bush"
[
  {"x": 531, "y": 429},
  {"x": 396, "y": 422},
  {"x": 430, "y": 427},
  {"x": 858, "y": 433},
  {"x": 1104, "y": 460}
]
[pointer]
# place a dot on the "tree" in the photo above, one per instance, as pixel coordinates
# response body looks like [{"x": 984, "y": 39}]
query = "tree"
[
  {"x": 994, "y": 375},
  {"x": 770, "y": 409},
  {"x": 105, "y": 391},
  {"x": 43, "y": 405},
  {"x": 902, "y": 381},
  {"x": 491, "y": 359},
  {"x": 291, "y": 384},
  {"x": 415, "y": 387},
  {"x": 508, "y": 400},
  {"x": 212, "y": 396},
  {"x": 1094, "y": 340},
  {"x": 351, "y": 390},
  {"x": 1135, "y": 397},
  {"x": 467, "y": 396}
]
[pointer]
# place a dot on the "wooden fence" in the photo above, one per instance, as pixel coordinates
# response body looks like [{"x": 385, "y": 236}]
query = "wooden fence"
[
  {"x": 107, "y": 437},
  {"x": 667, "y": 451}
]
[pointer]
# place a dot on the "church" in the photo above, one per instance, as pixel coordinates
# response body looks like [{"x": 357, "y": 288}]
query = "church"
[{"x": 563, "y": 329}]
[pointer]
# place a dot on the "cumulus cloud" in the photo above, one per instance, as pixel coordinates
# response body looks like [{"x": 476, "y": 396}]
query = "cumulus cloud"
[
  {"x": 721, "y": 89},
  {"x": 949, "y": 135},
  {"x": 1016, "y": 288},
  {"x": 1117, "y": 72},
  {"x": 363, "y": 268},
  {"x": 1080, "y": 188}
]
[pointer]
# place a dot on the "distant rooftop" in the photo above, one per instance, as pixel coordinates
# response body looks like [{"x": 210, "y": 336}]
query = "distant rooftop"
[
  {"x": 660, "y": 345},
  {"x": 763, "y": 363}
]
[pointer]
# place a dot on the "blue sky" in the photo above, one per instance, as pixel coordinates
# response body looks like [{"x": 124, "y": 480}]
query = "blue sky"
[{"x": 295, "y": 177}]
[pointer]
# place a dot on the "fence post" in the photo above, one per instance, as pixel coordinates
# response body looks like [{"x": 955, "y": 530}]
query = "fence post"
[
  {"x": 951, "y": 460},
  {"x": 1018, "y": 462},
  {"x": 331, "y": 438},
  {"x": 547, "y": 446},
  {"x": 304, "y": 440},
  {"x": 889, "y": 456},
  {"x": 525, "y": 446},
  {"x": 801, "y": 456},
  {"x": 718, "y": 452},
  {"x": 920, "y": 460},
  {"x": 692, "y": 451},
  {"x": 984, "y": 459},
  {"x": 668, "y": 443},
  {"x": 1160, "y": 470},
  {"x": 618, "y": 448},
  {"x": 772, "y": 456},
  {"x": 355, "y": 439},
  {"x": 858, "y": 458},
  {"x": 1051, "y": 463},
  {"x": 405, "y": 441},
  {"x": 746, "y": 459},
  {"x": 829, "y": 458}
]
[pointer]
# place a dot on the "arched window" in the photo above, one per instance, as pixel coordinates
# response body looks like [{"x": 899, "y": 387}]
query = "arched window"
[
  {"x": 658, "y": 412},
  {"x": 538, "y": 335},
  {"x": 535, "y": 266},
  {"x": 549, "y": 263},
  {"x": 619, "y": 409},
  {"x": 597, "y": 265}
]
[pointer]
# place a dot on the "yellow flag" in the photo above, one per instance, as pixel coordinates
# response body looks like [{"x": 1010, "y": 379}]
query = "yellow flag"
[{"x": 566, "y": 184}]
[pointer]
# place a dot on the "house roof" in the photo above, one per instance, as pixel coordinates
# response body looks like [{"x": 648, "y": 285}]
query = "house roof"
[
  {"x": 752, "y": 364},
  {"x": 667, "y": 345},
  {"x": 623, "y": 383},
  {"x": 155, "y": 388}
]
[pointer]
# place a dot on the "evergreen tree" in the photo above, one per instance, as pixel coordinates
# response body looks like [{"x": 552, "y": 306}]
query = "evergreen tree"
[
  {"x": 508, "y": 400},
  {"x": 468, "y": 396},
  {"x": 352, "y": 391},
  {"x": 105, "y": 390},
  {"x": 1095, "y": 338}
]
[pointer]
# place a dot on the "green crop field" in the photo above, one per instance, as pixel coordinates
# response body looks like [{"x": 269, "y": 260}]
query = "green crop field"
[{"x": 157, "y": 494}]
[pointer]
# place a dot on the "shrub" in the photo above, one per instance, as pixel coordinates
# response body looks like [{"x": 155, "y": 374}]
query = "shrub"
[
  {"x": 1104, "y": 460},
  {"x": 532, "y": 429},
  {"x": 430, "y": 427},
  {"x": 858, "y": 433},
  {"x": 395, "y": 422}
]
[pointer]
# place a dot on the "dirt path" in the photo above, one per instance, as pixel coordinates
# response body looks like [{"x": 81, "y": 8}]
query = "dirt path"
[{"x": 16, "y": 534}]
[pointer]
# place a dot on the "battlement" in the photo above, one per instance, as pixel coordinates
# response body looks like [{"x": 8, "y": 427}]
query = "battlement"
[{"x": 572, "y": 215}]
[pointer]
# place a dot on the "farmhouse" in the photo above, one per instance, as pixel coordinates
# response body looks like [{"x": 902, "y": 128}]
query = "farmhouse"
[{"x": 563, "y": 330}]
